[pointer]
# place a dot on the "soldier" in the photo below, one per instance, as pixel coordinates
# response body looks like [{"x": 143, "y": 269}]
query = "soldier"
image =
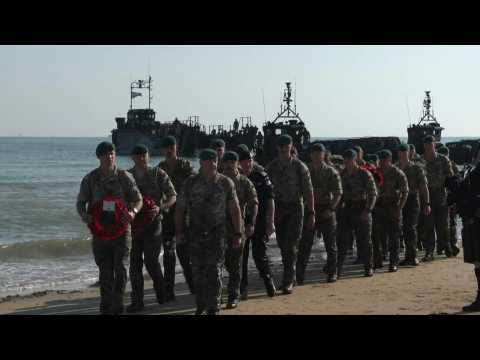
[
  {"x": 111, "y": 255},
  {"x": 355, "y": 212},
  {"x": 413, "y": 156},
  {"x": 360, "y": 160},
  {"x": 154, "y": 184},
  {"x": 219, "y": 146},
  {"x": 264, "y": 226},
  {"x": 248, "y": 201},
  {"x": 392, "y": 197},
  {"x": 327, "y": 187},
  {"x": 207, "y": 198},
  {"x": 438, "y": 170},
  {"x": 292, "y": 187},
  {"x": 178, "y": 170},
  {"x": 452, "y": 211},
  {"x": 417, "y": 185},
  {"x": 256, "y": 166}
]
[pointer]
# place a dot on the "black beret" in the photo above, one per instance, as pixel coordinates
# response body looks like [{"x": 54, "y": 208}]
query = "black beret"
[
  {"x": 169, "y": 141},
  {"x": 244, "y": 155},
  {"x": 284, "y": 140},
  {"x": 318, "y": 147},
  {"x": 428, "y": 139},
  {"x": 208, "y": 154},
  {"x": 242, "y": 147},
  {"x": 443, "y": 150},
  {"x": 104, "y": 148},
  {"x": 349, "y": 154},
  {"x": 358, "y": 149},
  {"x": 217, "y": 143},
  {"x": 230, "y": 156},
  {"x": 139, "y": 149},
  {"x": 384, "y": 154},
  {"x": 403, "y": 147}
]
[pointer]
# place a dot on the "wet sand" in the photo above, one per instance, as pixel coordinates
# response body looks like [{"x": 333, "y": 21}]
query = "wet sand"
[{"x": 440, "y": 287}]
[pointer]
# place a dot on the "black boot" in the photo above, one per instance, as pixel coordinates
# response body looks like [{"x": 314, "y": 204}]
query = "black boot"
[
  {"x": 232, "y": 302},
  {"x": 135, "y": 307},
  {"x": 213, "y": 312},
  {"x": 270, "y": 286}
]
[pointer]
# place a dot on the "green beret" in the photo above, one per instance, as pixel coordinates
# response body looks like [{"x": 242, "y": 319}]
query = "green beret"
[
  {"x": 208, "y": 154},
  {"x": 428, "y": 139},
  {"x": 443, "y": 150},
  {"x": 403, "y": 147},
  {"x": 349, "y": 154},
  {"x": 358, "y": 149},
  {"x": 384, "y": 154},
  {"x": 242, "y": 147},
  {"x": 139, "y": 149},
  {"x": 217, "y": 143},
  {"x": 244, "y": 155},
  {"x": 230, "y": 156},
  {"x": 284, "y": 140},
  {"x": 318, "y": 147},
  {"x": 104, "y": 148},
  {"x": 169, "y": 141}
]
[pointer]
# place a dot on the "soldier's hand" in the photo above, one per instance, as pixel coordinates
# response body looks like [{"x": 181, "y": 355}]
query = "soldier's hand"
[
  {"x": 249, "y": 230},
  {"x": 131, "y": 214},
  {"x": 236, "y": 241},
  {"x": 427, "y": 210},
  {"x": 270, "y": 229},
  {"x": 311, "y": 222}
]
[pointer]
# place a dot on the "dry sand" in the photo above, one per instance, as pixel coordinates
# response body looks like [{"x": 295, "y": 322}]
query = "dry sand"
[{"x": 440, "y": 287}]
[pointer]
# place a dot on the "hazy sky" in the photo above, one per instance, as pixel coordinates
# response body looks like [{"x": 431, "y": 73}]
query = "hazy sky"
[{"x": 341, "y": 90}]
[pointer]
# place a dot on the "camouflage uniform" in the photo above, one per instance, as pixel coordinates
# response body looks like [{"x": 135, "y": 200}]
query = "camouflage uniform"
[
  {"x": 327, "y": 184},
  {"x": 291, "y": 182},
  {"x": 387, "y": 225},
  {"x": 452, "y": 214},
  {"x": 180, "y": 172},
  {"x": 206, "y": 203},
  {"x": 411, "y": 211},
  {"x": 146, "y": 247},
  {"x": 111, "y": 256},
  {"x": 437, "y": 171},
  {"x": 247, "y": 198},
  {"x": 359, "y": 193}
]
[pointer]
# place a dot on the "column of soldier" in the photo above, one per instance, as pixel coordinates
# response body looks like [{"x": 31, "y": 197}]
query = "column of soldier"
[{"x": 210, "y": 218}]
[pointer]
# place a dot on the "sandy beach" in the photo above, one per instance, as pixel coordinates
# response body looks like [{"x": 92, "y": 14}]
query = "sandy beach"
[{"x": 440, "y": 287}]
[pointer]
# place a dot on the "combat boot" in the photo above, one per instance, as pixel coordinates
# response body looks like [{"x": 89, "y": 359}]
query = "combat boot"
[
  {"x": 199, "y": 310},
  {"x": 393, "y": 268},
  {"x": 368, "y": 272},
  {"x": 475, "y": 306},
  {"x": 339, "y": 268},
  {"x": 428, "y": 257},
  {"x": 270, "y": 286},
  {"x": 213, "y": 312},
  {"x": 287, "y": 288},
  {"x": 455, "y": 250},
  {"x": 332, "y": 278},
  {"x": 244, "y": 294},
  {"x": 232, "y": 302},
  {"x": 135, "y": 307}
]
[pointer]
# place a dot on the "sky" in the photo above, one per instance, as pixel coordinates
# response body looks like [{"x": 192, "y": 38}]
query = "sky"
[{"x": 341, "y": 91}]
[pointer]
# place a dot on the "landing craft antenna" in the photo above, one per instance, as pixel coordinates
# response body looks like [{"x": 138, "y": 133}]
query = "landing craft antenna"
[{"x": 408, "y": 110}]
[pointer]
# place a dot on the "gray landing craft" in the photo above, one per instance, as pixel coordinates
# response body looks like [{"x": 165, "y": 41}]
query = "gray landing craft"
[{"x": 141, "y": 127}]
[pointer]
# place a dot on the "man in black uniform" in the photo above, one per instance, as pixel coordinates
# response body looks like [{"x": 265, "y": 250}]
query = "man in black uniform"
[{"x": 264, "y": 226}]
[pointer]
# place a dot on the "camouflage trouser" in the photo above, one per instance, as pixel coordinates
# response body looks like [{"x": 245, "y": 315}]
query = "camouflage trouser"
[
  {"x": 387, "y": 231},
  {"x": 437, "y": 222},
  {"x": 111, "y": 257},
  {"x": 208, "y": 256},
  {"x": 452, "y": 214},
  {"x": 233, "y": 263},
  {"x": 471, "y": 240},
  {"x": 327, "y": 227},
  {"x": 349, "y": 220},
  {"x": 169, "y": 258},
  {"x": 288, "y": 225},
  {"x": 410, "y": 213},
  {"x": 146, "y": 249},
  {"x": 259, "y": 253}
]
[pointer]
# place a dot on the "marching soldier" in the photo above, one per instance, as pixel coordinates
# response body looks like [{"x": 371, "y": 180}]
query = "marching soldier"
[
  {"x": 292, "y": 187},
  {"x": 178, "y": 170},
  {"x": 417, "y": 202},
  {"x": 391, "y": 199},
  {"x": 154, "y": 184},
  {"x": 207, "y": 198},
  {"x": 355, "y": 212},
  {"x": 219, "y": 146},
  {"x": 360, "y": 160},
  {"x": 438, "y": 170},
  {"x": 452, "y": 211},
  {"x": 248, "y": 201},
  {"x": 104, "y": 186},
  {"x": 413, "y": 155},
  {"x": 327, "y": 187},
  {"x": 264, "y": 226}
]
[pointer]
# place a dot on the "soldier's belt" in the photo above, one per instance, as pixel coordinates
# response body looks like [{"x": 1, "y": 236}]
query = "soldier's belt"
[
  {"x": 381, "y": 201},
  {"x": 355, "y": 204}
]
